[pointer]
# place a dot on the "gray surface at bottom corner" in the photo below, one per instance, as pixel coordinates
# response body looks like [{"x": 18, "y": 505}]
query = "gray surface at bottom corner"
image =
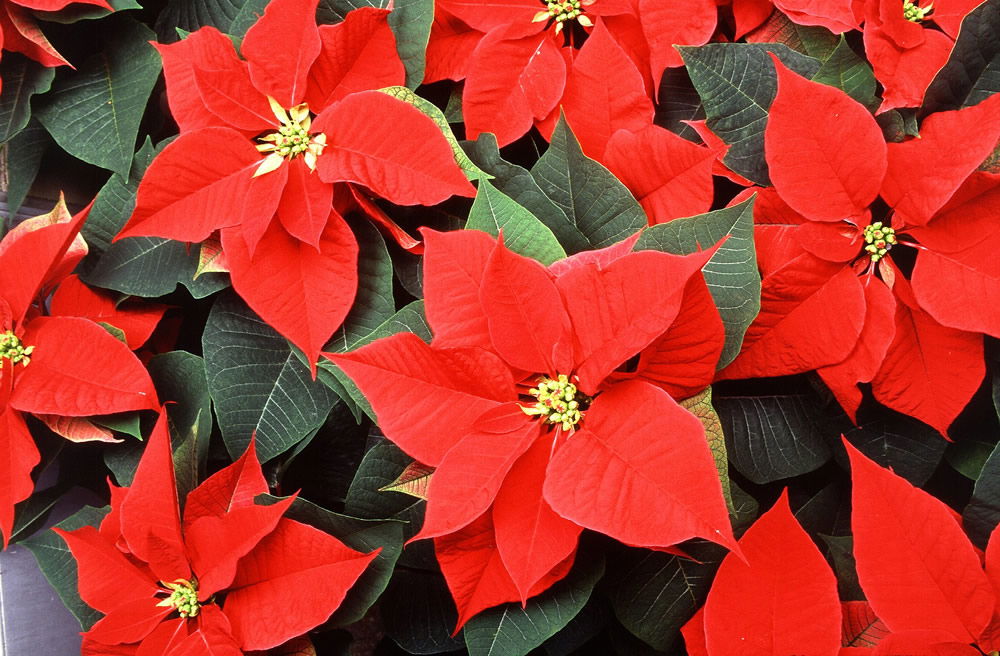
[{"x": 33, "y": 621}]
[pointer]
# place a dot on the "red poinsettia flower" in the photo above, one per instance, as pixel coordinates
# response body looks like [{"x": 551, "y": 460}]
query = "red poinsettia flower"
[
  {"x": 533, "y": 434},
  {"x": 254, "y": 162},
  {"x": 20, "y": 33},
  {"x": 52, "y": 366},
  {"x": 233, "y": 576},
  {"x": 929, "y": 591},
  {"x": 897, "y": 292},
  {"x": 523, "y": 60}
]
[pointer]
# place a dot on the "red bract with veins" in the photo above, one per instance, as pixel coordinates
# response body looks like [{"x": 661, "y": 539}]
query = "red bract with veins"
[
  {"x": 524, "y": 60},
  {"x": 876, "y": 258},
  {"x": 253, "y": 161},
  {"x": 232, "y": 576},
  {"x": 534, "y": 434},
  {"x": 929, "y": 591},
  {"x": 58, "y": 368},
  {"x": 19, "y": 32}
]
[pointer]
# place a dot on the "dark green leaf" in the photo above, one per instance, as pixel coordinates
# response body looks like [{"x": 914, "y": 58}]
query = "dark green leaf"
[
  {"x": 737, "y": 83},
  {"x": 362, "y": 535},
  {"x": 259, "y": 387},
  {"x": 910, "y": 448},
  {"x": 968, "y": 456},
  {"x": 334, "y": 11},
  {"x": 374, "y": 302},
  {"x": 30, "y": 513},
  {"x": 517, "y": 183},
  {"x": 418, "y": 613},
  {"x": 679, "y": 102},
  {"x": 814, "y": 41},
  {"x": 731, "y": 274},
  {"x": 772, "y": 437},
  {"x": 24, "y": 158},
  {"x": 982, "y": 514},
  {"x": 514, "y": 631},
  {"x": 848, "y": 72},
  {"x": 181, "y": 381},
  {"x": 22, "y": 78},
  {"x": 94, "y": 113},
  {"x": 841, "y": 550},
  {"x": 411, "y": 21},
  {"x": 233, "y": 17},
  {"x": 597, "y": 205},
  {"x": 523, "y": 233},
  {"x": 58, "y": 565},
  {"x": 122, "y": 422},
  {"x": 76, "y": 12},
  {"x": 655, "y": 593},
  {"x": 151, "y": 267},
  {"x": 115, "y": 202},
  {"x": 973, "y": 69}
]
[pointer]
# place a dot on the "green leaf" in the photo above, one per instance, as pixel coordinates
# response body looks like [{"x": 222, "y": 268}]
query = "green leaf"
[
  {"x": 418, "y": 613},
  {"x": 909, "y": 447},
  {"x": 374, "y": 302},
  {"x": 381, "y": 466},
  {"x": 362, "y": 535},
  {"x": 731, "y": 274},
  {"x": 701, "y": 407},
  {"x": 334, "y": 11},
  {"x": 94, "y": 113},
  {"x": 679, "y": 102},
  {"x": 126, "y": 423},
  {"x": 180, "y": 378},
  {"x": 514, "y": 631},
  {"x": 59, "y": 566},
  {"x": 969, "y": 456},
  {"x": 849, "y": 73},
  {"x": 151, "y": 267},
  {"x": 653, "y": 594},
  {"x": 22, "y": 79},
  {"x": 982, "y": 514},
  {"x": 841, "y": 549},
  {"x": 75, "y": 12},
  {"x": 737, "y": 83},
  {"x": 115, "y": 202},
  {"x": 409, "y": 319},
  {"x": 472, "y": 172},
  {"x": 523, "y": 233},
  {"x": 597, "y": 205},
  {"x": 814, "y": 41},
  {"x": 516, "y": 182},
  {"x": 258, "y": 385},
  {"x": 772, "y": 437},
  {"x": 31, "y": 513},
  {"x": 411, "y": 21},
  {"x": 24, "y": 157},
  {"x": 232, "y": 17},
  {"x": 972, "y": 72}
]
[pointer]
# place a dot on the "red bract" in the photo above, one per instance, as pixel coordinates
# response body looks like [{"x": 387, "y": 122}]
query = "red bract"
[
  {"x": 927, "y": 591},
  {"x": 533, "y": 434},
  {"x": 832, "y": 300},
  {"x": 52, "y": 366},
  {"x": 289, "y": 251},
  {"x": 233, "y": 576},
  {"x": 20, "y": 33},
  {"x": 590, "y": 58}
]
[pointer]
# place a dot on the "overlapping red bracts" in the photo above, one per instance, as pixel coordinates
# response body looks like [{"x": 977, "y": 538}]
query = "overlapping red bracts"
[
  {"x": 913, "y": 330},
  {"x": 513, "y": 486},
  {"x": 43, "y": 369},
  {"x": 291, "y": 255},
  {"x": 253, "y": 578}
]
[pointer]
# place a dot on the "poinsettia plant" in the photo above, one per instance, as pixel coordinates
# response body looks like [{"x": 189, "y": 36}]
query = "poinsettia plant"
[{"x": 532, "y": 307}]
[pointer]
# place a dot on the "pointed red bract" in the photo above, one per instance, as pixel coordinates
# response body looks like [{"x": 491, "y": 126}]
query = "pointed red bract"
[
  {"x": 780, "y": 599},
  {"x": 401, "y": 157},
  {"x": 615, "y": 452},
  {"x": 281, "y": 72},
  {"x": 294, "y": 557},
  {"x": 825, "y": 152},
  {"x": 427, "y": 399},
  {"x": 74, "y": 299},
  {"x": 232, "y": 487},
  {"x": 666, "y": 25},
  {"x": 454, "y": 263},
  {"x": 917, "y": 568},
  {"x": 18, "y": 456}
]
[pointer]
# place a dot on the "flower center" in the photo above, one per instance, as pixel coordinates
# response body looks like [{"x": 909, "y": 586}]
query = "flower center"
[
  {"x": 557, "y": 402},
  {"x": 560, "y": 11},
  {"x": 915, "y": 14},
  {"x": 13, "y": 349},
  {"x": 291, "y": 140},
  {"x": 183, "y": 597},
  {"x": 879, "y": 239}
]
